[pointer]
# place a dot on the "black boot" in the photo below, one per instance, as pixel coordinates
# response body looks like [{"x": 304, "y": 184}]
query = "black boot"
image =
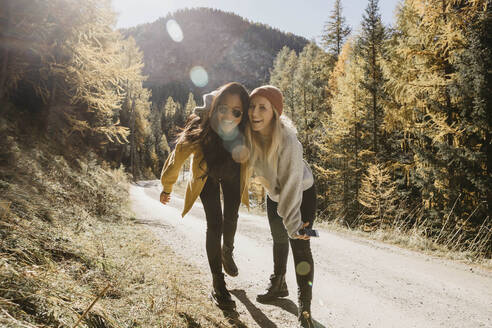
[
  {"x": 305, "y": 318},
  {"x": 228, "y": 261},
  {"x": 220, "y": 295},
  {"x": 277, "y": 288}
]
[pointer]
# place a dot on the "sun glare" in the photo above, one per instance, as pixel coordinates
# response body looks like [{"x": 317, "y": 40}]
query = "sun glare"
[
  {"x": 199, "y": 76},
  {"x": 174, "y": 30}
]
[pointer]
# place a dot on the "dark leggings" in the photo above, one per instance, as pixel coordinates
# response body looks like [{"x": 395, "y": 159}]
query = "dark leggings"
[
  {"x": 301, "y": 249},
  {"x": 218, "y": 224}
]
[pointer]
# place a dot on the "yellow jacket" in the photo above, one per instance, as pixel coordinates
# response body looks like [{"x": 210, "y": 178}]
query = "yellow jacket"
[{"x": 170, "y": 172}]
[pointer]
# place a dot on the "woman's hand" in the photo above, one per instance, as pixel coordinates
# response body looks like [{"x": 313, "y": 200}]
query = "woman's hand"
[
  {"x": 303, "y": 237},
  {"x": 165, "y": 197}
]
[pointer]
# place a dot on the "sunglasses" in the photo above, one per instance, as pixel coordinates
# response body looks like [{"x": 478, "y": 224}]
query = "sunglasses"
[{"x": 223, "y": 109}]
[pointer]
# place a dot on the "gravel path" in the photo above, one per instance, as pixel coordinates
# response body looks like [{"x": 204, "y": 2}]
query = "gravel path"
[{"x": 358, "y": 283}]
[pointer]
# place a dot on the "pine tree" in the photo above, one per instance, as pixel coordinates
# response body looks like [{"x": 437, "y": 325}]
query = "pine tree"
[
  {"x": 310, "y": 80},
  {"x": 335, "y": 31},
  {"x": 33, "y": 37},
  {"x": 370, "y": 48},
  {"x": 379, "y": 197},
  {"x": 190, "y": 105},
  {"x": 438, "y": 84},
  {"x": 282, "y": 76},
  {"x": 309, "y": 94},
  {"x": 85, "y": 78},
  {"x": 397, "y": 118},
  {"x": 72, "y": 65},
  {"x": 135, "y": 111},
  {"x": 172, "y": 112},
  {"x": 279, "y": 64},
  {"x": 324, "y": 163},
  {"x": 155, "y": 119},
  {"x": 93, "y": 74},
  {"x": 344, "y": 144}
]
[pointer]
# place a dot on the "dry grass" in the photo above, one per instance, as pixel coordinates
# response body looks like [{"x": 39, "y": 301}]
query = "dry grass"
[
  {"x": 415, "y": 237},
  {"x": 68, "y": 240}
]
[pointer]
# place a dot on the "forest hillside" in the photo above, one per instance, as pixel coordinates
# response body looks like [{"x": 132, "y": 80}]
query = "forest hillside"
[{"x": 226, "y": 46}]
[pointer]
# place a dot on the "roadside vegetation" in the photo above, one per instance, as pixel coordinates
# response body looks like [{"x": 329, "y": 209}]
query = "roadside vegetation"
[{"x": 69, "y": 241}]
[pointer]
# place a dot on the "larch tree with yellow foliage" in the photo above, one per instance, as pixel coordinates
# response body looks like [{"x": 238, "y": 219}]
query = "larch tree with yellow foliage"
[{"x": 439, "y": 82}]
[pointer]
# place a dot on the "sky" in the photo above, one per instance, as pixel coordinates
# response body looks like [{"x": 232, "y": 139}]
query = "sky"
[{"x": 305, "y": 18}]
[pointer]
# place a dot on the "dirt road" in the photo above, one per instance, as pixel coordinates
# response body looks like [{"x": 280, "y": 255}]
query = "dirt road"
[{"x": 358, "y": 283}]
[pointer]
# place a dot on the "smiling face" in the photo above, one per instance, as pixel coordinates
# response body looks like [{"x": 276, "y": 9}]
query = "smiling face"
[
  {"x": 261, "y": 115},
  {"x": 229, "y": 112}
]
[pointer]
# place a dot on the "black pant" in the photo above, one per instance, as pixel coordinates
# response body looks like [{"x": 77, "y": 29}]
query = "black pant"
[
  {"x": 301, "y": 249},
  {"x": 218, "y": 224}
]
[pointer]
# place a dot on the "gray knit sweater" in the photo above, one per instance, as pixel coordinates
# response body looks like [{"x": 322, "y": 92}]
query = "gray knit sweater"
[{"x": 286, "y": 185}]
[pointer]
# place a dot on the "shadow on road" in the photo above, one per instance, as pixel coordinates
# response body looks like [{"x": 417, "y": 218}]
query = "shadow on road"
[
  {"x": 289, "y": 306},
  {"x": 285, "y": 304},
  {"x": 259, "y": 317},
  {"x": 319, "y": 325},
  {"x": 145, "y": 184},
  {"x": 152, "y": 223},
  {"x": 233, "y": 318}
]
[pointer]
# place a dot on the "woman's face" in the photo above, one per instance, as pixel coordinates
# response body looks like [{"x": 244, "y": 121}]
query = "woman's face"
[
  {"x": 260, "y": 115},
  {"x": 229, "y": 112}
]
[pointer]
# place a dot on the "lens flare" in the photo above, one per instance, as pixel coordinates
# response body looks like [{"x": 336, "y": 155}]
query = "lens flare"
[
  {"x": 240, "y": 154},
  {"x": 174, "y": 30},
  {"x": 199, "y": 76},
  {"x": 310, "y": 283},
  {"x": 303, "y": 268}
]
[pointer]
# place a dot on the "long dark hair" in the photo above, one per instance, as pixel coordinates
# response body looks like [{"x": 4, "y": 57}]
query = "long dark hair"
[{"x": 199, "y": 129}]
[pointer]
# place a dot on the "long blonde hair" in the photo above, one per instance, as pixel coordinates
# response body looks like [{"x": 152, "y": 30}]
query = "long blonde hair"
[{"x": 268, "y": 153}]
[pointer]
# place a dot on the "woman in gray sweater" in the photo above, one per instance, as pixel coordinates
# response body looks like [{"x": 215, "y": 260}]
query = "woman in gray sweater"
[{"x": 276, "y": 157}]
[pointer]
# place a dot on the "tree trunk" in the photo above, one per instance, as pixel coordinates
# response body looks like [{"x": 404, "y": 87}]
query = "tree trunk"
[
  {"x": 448, "y": 70},
  {"x": 357, "y": 177},
  {"x": 132, "y": 141},
  {"x": 374, "y": 103},
  {"x": 305, "y": 109},
  {"x": 345, "y": 186},
  {"x": 5, "y": 54},
  {"x": 356, "y": 153}
]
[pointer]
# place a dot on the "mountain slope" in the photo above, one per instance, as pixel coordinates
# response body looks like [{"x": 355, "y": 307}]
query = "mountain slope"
[{"x": 227, "y": 46}]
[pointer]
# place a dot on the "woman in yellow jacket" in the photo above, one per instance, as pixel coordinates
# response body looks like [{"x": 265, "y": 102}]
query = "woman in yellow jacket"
[{"x": 216, "y": 140}]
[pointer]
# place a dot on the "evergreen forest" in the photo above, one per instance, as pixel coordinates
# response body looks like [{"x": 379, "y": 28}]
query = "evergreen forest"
[{"x": 394, "y": 120}]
